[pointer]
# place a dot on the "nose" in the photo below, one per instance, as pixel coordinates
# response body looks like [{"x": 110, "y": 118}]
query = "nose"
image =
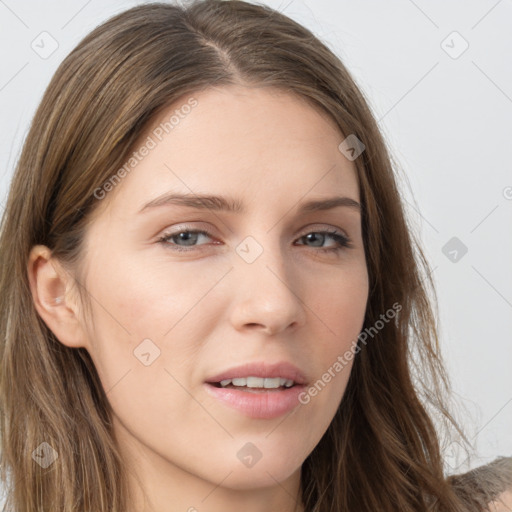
[{"x": 267, "y": 295}]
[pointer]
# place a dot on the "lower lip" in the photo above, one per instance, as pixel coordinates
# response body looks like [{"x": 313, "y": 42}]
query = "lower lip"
[{"x": 261, "y": 404}]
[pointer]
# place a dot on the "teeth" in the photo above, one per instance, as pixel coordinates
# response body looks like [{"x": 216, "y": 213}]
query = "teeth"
[
  {"x": 272, "y": 383},
  {"x": 258, "y": 382},
  {"x": 255, "y": 382}
]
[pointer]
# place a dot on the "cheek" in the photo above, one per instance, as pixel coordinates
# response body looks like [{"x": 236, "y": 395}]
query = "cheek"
[
  {"x": 340, "y": 309},
  {"x": 149, "y": 323},
  {"x": 340, "y": 304},
  {"x": 134, "y": 301}
]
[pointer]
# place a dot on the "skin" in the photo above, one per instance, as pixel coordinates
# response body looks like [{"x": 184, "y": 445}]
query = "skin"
[
  {"x": 503, "y": 503},
  {"x": 208, "y": 309}
]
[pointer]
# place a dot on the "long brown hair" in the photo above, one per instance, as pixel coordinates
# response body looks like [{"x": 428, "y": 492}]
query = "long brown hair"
[{"x": 382, "y": 450}]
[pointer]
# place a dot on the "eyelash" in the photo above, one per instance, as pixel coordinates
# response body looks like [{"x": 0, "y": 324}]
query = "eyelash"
[{"x": 343, "y": 241}]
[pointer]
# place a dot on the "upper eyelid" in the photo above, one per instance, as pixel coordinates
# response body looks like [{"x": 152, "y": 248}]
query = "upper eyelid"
[{"x": 209, "y": 232}]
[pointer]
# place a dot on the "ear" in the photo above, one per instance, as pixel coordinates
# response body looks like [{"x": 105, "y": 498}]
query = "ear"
[{"x": 52, "y": 293}]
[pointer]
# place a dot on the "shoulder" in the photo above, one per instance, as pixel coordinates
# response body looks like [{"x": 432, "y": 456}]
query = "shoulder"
[
  {"x": 503, "y": 503},
  {"x": 486, "y": 488}
]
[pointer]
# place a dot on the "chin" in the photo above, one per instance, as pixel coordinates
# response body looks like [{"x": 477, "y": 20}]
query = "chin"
[
  {"x": 261, "y": 463},
  {"x": 260, "y": 476}
]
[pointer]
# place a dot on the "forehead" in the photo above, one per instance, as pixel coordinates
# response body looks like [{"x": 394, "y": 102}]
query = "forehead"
[{"x": 240, "y": 141}]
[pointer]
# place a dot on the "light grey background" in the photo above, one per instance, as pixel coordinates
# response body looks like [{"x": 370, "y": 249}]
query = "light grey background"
[{"x": 447, "y": 117}]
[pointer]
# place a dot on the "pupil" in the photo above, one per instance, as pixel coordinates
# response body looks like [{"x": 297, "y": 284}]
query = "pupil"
[
  {"x": 312, "y": 237},
  {"x": 187, "y": 236}
]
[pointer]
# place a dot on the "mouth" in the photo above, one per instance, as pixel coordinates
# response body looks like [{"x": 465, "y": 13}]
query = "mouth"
[
  {"x": 258, "y": 390},
  {"x": 255, "y": 384}
]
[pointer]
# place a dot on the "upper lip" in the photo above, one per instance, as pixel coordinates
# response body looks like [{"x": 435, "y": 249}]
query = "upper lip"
[{"x": 281, "y": 369}]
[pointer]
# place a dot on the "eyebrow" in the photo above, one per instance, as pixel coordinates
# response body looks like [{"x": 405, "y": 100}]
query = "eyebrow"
[{"x": 227, "y": 204}]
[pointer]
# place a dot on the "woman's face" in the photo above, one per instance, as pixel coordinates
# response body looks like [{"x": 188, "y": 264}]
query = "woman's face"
[{"x": 266, "y": 295}]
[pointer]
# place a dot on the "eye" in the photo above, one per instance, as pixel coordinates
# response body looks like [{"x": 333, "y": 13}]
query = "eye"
[
  {"x": 341, "y": 241},
  {"x": 189, "y": 238}
]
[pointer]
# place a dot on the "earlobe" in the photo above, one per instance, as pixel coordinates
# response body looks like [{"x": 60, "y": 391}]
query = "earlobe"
[{"x": 51, "y": 288}]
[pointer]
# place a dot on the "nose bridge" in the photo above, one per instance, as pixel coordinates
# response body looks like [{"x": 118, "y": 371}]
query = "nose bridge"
[
  {"x": 261, "y": 255},
  {"x": 269, "y": 288}
]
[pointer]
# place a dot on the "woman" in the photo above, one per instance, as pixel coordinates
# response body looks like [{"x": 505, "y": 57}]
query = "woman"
[{"x": 210, "y": 296}]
